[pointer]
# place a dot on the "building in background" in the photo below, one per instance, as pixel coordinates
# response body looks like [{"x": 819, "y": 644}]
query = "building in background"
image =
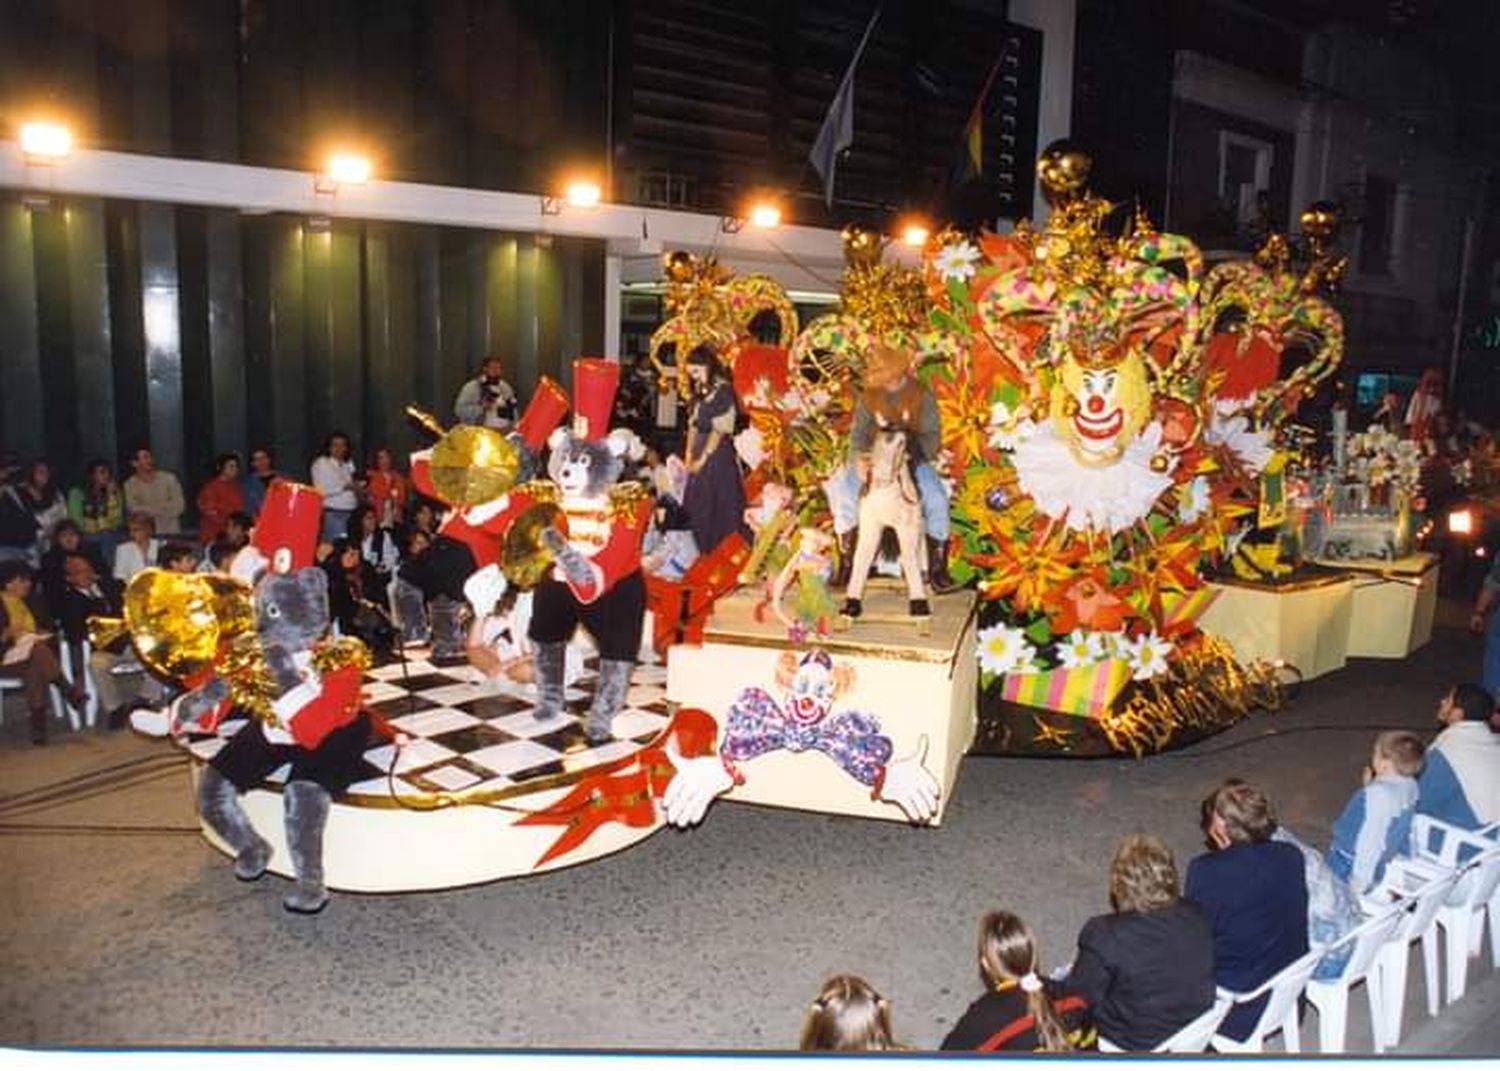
[
  {"x": 1227, "y": 117},
  {"x": 210, "y": 327}
]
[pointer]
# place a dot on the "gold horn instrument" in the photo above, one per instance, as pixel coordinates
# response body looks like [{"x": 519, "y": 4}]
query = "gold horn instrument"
[
  {"x": 525, "y": 559},
  {"x": 470, "y": 465}
]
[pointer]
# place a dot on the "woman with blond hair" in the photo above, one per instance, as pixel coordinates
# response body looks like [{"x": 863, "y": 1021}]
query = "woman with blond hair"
[
  {"x": 1148, "y": 969},
  {"x": 1020, "y": 1011},
  {"x": 848, "y": 1016}
]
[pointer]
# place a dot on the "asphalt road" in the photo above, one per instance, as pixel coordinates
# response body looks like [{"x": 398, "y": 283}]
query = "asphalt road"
[{"x": 120, "y": 926}]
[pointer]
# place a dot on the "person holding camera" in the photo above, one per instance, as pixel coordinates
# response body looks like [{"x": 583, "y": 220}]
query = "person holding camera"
[{"x": 487, "y": 399}]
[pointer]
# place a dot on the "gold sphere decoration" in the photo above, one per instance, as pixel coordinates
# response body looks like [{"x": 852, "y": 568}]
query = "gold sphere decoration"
[
  {"x": 1320, "y": 219},
  {"x": 680, "y": 266},
  {"x": 1063, "y": 171},
  {"x": 862, "y": 246}
]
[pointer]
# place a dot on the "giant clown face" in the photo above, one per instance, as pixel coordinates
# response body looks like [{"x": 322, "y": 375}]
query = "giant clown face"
[{"x": 1099, "y": 410}]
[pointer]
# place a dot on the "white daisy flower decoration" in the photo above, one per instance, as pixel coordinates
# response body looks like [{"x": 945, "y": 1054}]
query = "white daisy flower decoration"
[
  {"x": 1081, "y": 648},
  {"x": 1003, "y": 649},
  {"x": 1148, "y": 656},
  {"x": 956, "y": 261}
]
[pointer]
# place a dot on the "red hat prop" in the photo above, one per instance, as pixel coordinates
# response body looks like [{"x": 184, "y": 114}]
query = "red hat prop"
[
  {"x": 543, "y": 413},
  {"x": 595, "y": 380},
  {"x": 286, "y": 531}
]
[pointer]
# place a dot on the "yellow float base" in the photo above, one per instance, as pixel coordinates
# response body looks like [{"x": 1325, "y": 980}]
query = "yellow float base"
[
  {"x": 919, "y": 687},
  {"x": 1394, "y": 604},
  {"x": 1303, "y": 623}
]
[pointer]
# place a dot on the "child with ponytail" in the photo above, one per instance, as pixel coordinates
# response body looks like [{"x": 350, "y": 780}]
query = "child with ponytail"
[
  {"x": 848, "y": 1016},
  {"x": 1021, "y": 1010}
]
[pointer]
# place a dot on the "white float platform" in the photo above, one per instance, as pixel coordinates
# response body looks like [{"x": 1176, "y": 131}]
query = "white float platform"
[
  {"x": 916, "y": 686},
  {"x": 445, "y": 809},
  {"x": 1304, "y": 623},
  {"x": 1394, "y": 604}
]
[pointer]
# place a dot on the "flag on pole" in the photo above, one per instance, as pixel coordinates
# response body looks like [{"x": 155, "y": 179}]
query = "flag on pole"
[
  {"x": 974, "y": 128},
  {"x": 837, "y": 132}
]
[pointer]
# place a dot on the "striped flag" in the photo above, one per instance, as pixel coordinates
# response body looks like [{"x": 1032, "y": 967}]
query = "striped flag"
[
  {"x": 837, "y": 132},
  {"x": 974, "y": 128}
]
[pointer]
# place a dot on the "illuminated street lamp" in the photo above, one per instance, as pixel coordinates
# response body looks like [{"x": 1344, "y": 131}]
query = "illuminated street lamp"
[
  {"x": 343, "y": 169},
  {"x": 765, "y": 215},
  {"x": 914, "y": 233},
  {"x": 44, "y": 142}
]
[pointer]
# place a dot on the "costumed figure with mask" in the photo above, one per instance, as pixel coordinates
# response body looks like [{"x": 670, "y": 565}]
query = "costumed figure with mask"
[
  {"x": 595, "y": 541},
  {"x": 262, "y": 653},
  {"x": 481, "y": 474}
]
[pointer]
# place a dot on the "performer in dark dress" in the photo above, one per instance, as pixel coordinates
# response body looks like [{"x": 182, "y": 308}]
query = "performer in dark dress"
[{"x": 715, "y": 495}]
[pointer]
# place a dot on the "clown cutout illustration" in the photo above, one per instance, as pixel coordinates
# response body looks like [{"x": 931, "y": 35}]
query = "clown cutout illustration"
[{"x": 803, "y": 718}]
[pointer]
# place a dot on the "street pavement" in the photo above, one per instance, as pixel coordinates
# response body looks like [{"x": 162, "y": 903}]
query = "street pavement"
[{"x": 119, "y": 926}]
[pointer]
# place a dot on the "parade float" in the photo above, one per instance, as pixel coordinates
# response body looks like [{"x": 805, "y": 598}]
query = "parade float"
[{"x": 1113, "y": 430}]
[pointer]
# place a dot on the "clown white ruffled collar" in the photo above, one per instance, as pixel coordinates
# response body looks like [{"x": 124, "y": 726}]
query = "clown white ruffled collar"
[{"x": 1101, "y": 497}]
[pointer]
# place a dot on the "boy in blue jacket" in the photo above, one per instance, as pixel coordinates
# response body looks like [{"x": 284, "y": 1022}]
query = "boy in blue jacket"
[{"x": 1375, "y": 824}]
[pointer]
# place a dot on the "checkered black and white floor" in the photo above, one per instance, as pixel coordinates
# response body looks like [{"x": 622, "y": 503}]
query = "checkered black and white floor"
[{"x": 466, "y": 734}]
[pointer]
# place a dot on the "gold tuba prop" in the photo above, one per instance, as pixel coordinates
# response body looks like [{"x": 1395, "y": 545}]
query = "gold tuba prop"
[
  {"x": 525, "y": 559},
  {"x": 470, "y": 465}
]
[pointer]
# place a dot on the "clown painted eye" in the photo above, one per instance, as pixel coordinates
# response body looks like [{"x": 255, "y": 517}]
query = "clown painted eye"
[
  {"x": 273, "y": 611},
  {"x": 583, "y": 462}
]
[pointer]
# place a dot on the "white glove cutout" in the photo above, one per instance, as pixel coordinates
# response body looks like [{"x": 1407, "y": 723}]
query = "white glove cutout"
[
  {"x": 911, "y": 787},
  {"x": 697, "y": 783}
]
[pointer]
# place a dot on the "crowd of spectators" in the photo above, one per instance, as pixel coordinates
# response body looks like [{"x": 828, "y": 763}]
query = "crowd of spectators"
[
  {"x": 1256, "y": 900},
  {"x": 67, "y": 554}
]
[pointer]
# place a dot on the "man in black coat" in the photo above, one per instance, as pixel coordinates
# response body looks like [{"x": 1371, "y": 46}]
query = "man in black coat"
[{"x": 86, "y": 594}]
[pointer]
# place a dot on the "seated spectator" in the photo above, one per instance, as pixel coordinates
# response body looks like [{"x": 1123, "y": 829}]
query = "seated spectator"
[
  {"x": 179, "y": 558},
  {"x": 1460, "y": 782},
  {"x": 848, "y": 1016},
  {"x": 353, "y": 587},
  {"x": 67, "y": 540},
  {"x": 19, "y": 534},
  {"x": 87, "y": 595},
  {"x": 1020, "y": 1011},
  {"x": 99, "y": 508},
  {"x": 45, "y": 499},
  {"x": 26, "y": 652},
  {"x": 408, "y": 604},
  {"x": 260, "y": 477},
  {"x": 140, "y": 549},
  {"x": 220, "y": 554},
  {"x": 154, "y": 491},
  {"x": 237, "y": 527},
  {"x": 1375, "y": 825},
  {"x": 422, "y": 516},
  {"x": 220, "y": 496},
  {"x": 377, "y": 545},
  {"x": 1333, "y": 911},
  {"x": 1148, "y": 969},
  {"x": 1254, "y": 891},
  {"x": 388, "y": 489}
]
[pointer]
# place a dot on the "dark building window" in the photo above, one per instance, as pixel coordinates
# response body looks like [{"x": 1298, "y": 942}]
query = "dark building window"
[{"x": 1377, "y": 226}]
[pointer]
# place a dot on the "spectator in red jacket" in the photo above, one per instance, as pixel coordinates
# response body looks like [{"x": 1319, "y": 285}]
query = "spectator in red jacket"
[{"x": 222, "y": 495}]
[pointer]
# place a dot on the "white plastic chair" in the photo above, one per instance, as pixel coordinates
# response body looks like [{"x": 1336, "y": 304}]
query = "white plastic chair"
[
  {"x": 1331, "y": 996},
  {"x": 1421, "y": 896},
  {"x": 1194, "y": 1037},
  {"x": 90, "y": 688},
  {"x": 1470, "y": 897},
  {"x": 1280, "y": 1013},
  {"x": 58, "y": 706}
]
